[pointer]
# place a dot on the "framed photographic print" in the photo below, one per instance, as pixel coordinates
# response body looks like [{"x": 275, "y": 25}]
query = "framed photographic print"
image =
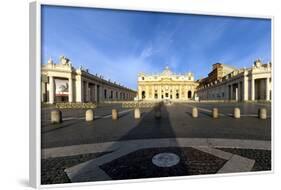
[{"x": 124, "y": 94}]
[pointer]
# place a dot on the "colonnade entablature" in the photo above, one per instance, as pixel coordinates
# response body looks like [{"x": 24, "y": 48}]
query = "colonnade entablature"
[
  {"x": 61, "y": 82},
  {"x": 244, "y": 84}
]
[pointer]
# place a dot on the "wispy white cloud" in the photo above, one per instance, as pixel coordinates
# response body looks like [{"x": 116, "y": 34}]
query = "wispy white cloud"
[{"x": 147, "y": 52}]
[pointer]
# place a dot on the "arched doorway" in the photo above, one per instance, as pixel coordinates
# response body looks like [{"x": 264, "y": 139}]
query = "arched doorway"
[
  {"x": 189, "y": 94},
  {"x": 143, "y": 94}
]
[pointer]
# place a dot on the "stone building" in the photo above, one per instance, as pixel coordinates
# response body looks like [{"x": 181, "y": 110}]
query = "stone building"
[
  {"x": 63, "y": 83},
  {"x": 244, "y": 84},
  {"x": 166, "y": 86},
  {"x": 218, "y": 71}
]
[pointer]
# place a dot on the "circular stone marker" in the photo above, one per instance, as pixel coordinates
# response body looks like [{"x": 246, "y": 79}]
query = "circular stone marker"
[{"x": 165, "y": 159}]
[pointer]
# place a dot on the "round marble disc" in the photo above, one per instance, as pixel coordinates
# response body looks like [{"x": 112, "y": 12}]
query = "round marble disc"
[{"x": 165, "y": 159}]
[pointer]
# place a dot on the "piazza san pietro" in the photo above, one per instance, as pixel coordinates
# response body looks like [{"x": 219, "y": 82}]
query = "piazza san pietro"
[
  {"x": 61, "y": 82},
  {"x": 138, "y": 94},
  {"x": 221, "y": 121}
]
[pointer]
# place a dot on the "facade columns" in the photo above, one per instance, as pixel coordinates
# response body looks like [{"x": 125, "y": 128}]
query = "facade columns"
[
  {"x": 267, "y": 89},
  {"x": 253, "y": 88},
  {"x": 146, "y": 92},
  {"x": 51, "y": 90},
  {"x": 153, "y": 92},
  {"x": 173, "y": 92},
  {"x": 70, "y": 89},
  {"x": 159, "y": 92},
  {"x": 139, "y": 95},
  {"x": 180, "y": 91}
]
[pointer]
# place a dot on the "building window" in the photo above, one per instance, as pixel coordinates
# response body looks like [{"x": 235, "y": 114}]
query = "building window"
[
  {"x": 177, "y": 95},
  {"x": 142, "y": 78},
  {"x": 162, "y": 96},
  {"x": 166, "y": 95},
  {"x": 156, "y": 96}
]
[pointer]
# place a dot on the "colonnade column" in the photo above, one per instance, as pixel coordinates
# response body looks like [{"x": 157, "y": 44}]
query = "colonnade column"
[
  {"x": 253, "y": 88},
  {"x": 70, "y": 89},
  {"x": 51, "y": 90},
  {"x": 226, "y": 92},
  {"x": 96, "y": 92},
  {"x": 245, "y": 89},
  {"x": 100, "y": 93},
  {"x": 231, "y": 92},
  {"x": 238, "y": 92},
  {"x": 267, "y": 89},
  {"x": 86, "y": 91}
]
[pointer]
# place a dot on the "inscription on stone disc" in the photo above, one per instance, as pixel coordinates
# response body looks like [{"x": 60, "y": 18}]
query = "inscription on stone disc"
[{"x": 165, "y": 159}]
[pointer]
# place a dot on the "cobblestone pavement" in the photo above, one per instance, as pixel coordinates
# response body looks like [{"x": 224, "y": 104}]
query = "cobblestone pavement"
[
  {"x": 138, "y": 164},
  {"x": 176, "y": 121},
  {"x": 52, "y": 169}
]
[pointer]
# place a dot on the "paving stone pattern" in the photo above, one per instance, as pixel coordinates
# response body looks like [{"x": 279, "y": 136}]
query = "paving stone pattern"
[
  {"x": 52, "y": 169},
  {"x": 262, "y": 157},
  {"x": 139, "y": 164}
]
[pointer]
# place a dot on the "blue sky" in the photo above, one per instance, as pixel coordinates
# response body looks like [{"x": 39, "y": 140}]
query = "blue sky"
[{"x": 119, "y": 44}]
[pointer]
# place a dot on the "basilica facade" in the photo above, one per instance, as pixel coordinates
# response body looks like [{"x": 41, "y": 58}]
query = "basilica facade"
[{"x": 166, "y": 86}]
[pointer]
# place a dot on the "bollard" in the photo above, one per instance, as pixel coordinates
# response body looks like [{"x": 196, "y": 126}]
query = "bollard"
[
  {"x": 137, "y": 113},
  {"x": 56, "y": 116},
  {"x": 194, "y": 112},
  {"x": 236, "y": 113},
  {"x": 262, "y": 113},
  {"x": 114, "y": 114},
  {"x": 215, "y": 113},
  {"x": 89, "y": 115}
]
